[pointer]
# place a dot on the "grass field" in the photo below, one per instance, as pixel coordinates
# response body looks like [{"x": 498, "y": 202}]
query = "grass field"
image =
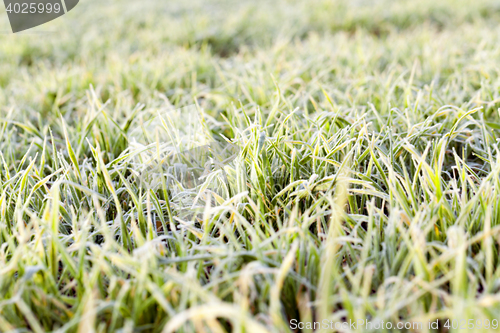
[{"x": 365, "y": 185}]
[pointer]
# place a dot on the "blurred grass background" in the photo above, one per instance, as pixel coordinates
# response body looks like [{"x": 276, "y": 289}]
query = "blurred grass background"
[{"x": 367, "y": 184}]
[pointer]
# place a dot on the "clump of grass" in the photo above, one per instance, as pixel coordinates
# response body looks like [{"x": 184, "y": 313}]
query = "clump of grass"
[{"x": 366, "y": 184}]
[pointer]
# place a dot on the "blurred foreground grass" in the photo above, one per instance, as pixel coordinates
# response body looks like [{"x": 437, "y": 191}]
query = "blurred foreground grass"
[{"x": 366, "y": 186}]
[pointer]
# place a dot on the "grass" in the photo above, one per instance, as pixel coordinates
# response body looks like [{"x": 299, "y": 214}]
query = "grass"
[{"x": 365, "y": 185}]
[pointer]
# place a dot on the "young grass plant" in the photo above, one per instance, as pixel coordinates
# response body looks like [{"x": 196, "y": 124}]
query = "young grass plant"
[{"x": 363, "y": 183}]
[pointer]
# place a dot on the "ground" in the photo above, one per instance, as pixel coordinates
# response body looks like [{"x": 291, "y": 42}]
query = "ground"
[{"x": 364, "y": 185}]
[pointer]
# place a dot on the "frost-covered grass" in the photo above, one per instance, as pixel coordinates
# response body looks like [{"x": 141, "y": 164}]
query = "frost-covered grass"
[{"x": 366, "y": 183}]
